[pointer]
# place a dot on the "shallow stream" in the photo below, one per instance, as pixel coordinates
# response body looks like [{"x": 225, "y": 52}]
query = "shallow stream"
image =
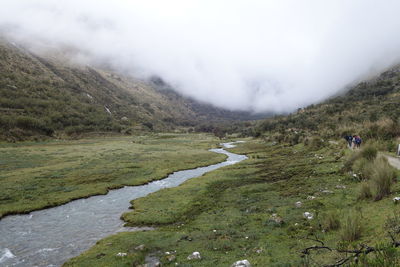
[{"x": 52, "y": 236}]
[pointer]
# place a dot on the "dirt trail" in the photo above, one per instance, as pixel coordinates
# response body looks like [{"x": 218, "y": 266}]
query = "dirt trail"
[{"x": 394, "y": 161}]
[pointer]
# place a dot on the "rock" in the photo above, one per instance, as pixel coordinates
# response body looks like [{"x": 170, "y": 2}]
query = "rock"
[
  {"x": 140, "y": 247},
  {"x": 340, "y": 187},
  {"x": 194, "y": 256},
  {"x": 171, "y": 258},
  {"x": 276, "y": 219},
  {"x": 121, "y": 254},
  {"x": 241, "y": 263},
  {"x": 396, "y": 200},
  {"x": 327, "y": 191},
  {"x": 124, "y": 119},
  {"x": 298, "y": 204},
  {"x": 308, "y": 215},
  {"x": 310, "y": 197}
]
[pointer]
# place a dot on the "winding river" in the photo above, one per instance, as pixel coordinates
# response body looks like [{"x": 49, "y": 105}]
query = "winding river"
[{"x": 52, "y": 236}]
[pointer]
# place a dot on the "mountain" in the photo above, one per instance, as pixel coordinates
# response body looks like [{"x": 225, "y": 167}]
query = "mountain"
[
  {"x": 370, "y": 108},
  {"x": 49, "y": 96}
]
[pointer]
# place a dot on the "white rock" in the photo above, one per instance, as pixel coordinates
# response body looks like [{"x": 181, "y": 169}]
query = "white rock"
[
  {"x": 310, "y": 197},
  {"x": 298, "y": 204},
  {"x": 194, "y": 256},
  {"x": 308, "y": 215},
  {"x": 396, "y": 200},
  {"x": 122, "y": 254},
  {"x": 340, "y": 187},
  {"x": 241, "y": 263},
  {"x": 5, "y": 255},
  {"x": 327, "y": 191}
]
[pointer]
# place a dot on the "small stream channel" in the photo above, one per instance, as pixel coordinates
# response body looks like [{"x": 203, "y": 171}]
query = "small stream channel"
[{"x": 52, "y": 236}]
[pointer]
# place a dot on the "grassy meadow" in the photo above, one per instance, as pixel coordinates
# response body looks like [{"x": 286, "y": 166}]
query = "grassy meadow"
[
  {"x": 39, "y": 175},
  {"x": 248, "y": 211}
]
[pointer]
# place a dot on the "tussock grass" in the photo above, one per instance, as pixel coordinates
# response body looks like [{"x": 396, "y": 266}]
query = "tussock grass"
[
  {"x": 331, "y": 221},
  {"x": 382, "y": 178},
  {"x": 352, "y": 227},
  {"x": 369, "y": 152},
  {"x": 365, "y": 191}
]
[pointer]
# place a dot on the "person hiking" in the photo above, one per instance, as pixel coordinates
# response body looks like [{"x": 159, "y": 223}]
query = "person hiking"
[
  {"x": 353, "y": 140},
  {"x": 358, "y": 141},
  {"x": 349, "y": 140}
]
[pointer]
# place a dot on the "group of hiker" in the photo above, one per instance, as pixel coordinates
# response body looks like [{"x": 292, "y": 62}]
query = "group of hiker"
[{"x": 353, "y": 141}]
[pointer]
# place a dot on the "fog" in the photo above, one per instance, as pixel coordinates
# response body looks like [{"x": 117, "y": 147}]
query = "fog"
[{"x": 254, "y": 55}]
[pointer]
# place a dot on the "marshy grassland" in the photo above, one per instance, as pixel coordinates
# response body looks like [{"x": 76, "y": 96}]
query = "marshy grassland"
[
  {"x": 248, "y": 211},
  {"x": 38, "y": 175}
]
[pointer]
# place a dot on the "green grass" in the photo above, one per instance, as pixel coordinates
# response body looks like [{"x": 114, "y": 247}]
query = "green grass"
[
  {"x": 226, "y": 215},
  {"x": 38, "y": 175}
]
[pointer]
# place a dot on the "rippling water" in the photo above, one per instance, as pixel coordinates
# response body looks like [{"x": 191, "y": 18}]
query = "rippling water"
[{"x": 50, "y": 237}]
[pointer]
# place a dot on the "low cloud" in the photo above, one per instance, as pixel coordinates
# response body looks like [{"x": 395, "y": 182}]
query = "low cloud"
[{"x": 252, "y": 55}]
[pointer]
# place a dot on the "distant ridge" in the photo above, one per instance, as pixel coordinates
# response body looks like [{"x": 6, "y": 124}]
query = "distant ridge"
[{"x": 47, "y": 97}]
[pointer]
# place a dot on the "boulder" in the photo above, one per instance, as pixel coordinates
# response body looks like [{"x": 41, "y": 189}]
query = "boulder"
[
  {"x": 121, "y": 254},
  {"x": 308, "y": 215},
  {"x": 276, "y": 219},
  {"x": 298, "y": 204},
  {"x": 194, "y": 256},
  {"x": 396, "y": 200},
  {"x": 241, "y": 263},
  {"x": 140, "y": 247}
]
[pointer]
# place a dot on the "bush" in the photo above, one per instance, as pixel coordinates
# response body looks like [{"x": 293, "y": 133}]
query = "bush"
[
  {"x": 316, "y": 143},
  {"x": 364, "y": 168},
  {"x": 369, "y": 152},
  {"x": 365, "y": 191},
  {"x": 331, "y": 221},
  {"x": 349, "y": 162},
  {"x": 352, "y": 227},
  {"x": 382, "y": 178}
]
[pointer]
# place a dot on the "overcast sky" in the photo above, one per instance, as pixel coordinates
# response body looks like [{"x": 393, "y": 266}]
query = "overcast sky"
[{"x": 256, "y": 55}]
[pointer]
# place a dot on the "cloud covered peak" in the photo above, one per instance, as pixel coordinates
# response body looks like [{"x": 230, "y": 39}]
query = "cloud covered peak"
[{"x": 242, "y": 55}]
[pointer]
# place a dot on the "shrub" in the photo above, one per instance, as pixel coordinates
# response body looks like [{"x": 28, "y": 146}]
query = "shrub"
[
  {"x": 364, "y": 168},
  {"x": 316, "y": 143},
  {"x": 331, "y": 221},
  {"x": 365, "y": 191},
  {"x": 369, "y": 152},
  {"x": 382, "y": 178},
  {"x": 352, "y": 227},
  {"x": 348, "y": 164}
]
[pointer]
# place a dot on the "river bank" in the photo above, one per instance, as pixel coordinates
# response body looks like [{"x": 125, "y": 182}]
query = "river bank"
[
  {"x": 266, "y": 209},
  {"x": 51, "y": 236},
  {"x": 35, "y": 176}
]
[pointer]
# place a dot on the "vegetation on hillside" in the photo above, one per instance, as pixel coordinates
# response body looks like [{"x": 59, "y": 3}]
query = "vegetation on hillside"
[
  {"x": 370, "y": 109},
  {"x": 43, "y": 96}
]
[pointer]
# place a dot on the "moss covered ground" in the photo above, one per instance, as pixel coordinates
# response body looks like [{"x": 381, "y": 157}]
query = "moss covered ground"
[
  {"x": 248, "y": 211},
  {"x": 38, "y": 175}
]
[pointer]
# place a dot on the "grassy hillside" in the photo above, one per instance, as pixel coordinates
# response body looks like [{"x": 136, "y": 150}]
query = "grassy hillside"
[
  {"x": 370, "y": 109},
  {"x": 49, "y": 97}
]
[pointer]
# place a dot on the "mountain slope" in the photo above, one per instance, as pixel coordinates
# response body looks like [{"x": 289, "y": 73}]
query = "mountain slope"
[
  {"x": 371, "y": 109},
  {"x": 45, "y": 96}
]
